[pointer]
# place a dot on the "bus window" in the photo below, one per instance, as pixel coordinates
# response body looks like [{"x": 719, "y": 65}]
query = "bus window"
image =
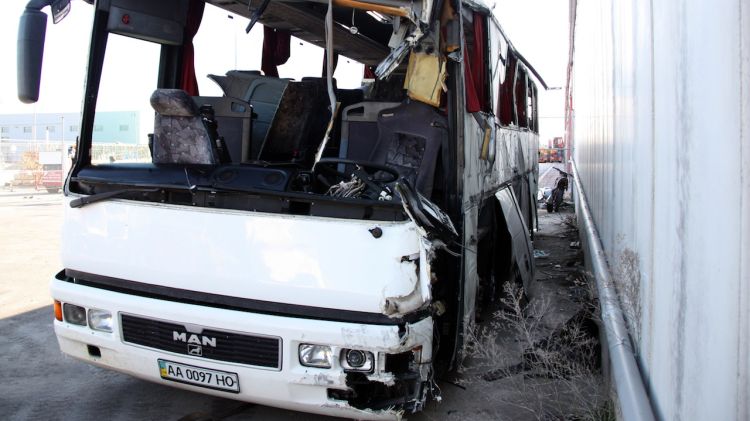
[
  {"x": 507, "y": 112},
  {"x": 521, "y": 97},
  {"x": 531, "y": 106},
  {"x": 498, "y": 54},
  {"x": 124, "y": 117},
  {"x": 475, "y": 64},
  {"x": 245, "y": 53}
]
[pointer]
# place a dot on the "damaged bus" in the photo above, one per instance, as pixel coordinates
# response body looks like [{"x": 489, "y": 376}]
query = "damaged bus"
[{"x": 289, "y": 241}]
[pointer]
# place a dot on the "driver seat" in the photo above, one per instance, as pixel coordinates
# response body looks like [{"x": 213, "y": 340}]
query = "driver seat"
[
  {"x": 180, "y": 135},
  {"x": 410, "y": 138}
]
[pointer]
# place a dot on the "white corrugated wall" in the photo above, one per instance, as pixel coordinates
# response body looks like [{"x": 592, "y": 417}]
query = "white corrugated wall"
[{"x": 661, "y": 99}]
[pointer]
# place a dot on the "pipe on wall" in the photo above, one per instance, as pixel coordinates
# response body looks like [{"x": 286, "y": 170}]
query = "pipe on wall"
[{"x": 631, "y": 393}]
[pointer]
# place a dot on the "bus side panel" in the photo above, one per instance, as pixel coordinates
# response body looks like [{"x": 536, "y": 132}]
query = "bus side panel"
[{"x": 513, "y": 163}]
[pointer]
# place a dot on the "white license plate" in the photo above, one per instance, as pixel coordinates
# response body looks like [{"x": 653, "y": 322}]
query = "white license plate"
[{"x": 199, "y": 376}]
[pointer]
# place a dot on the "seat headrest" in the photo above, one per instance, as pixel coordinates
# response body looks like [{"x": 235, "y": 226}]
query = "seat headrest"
[{"x": 173, "y": 102}]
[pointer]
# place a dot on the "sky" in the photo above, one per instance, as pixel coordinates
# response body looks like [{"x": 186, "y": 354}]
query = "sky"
[{"x": 537, "y": 28}]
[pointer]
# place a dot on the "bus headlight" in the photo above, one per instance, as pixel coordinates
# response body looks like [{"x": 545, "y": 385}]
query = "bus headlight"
[
  {"x": 75, "y": 315},
  {"x": 356, "y": 360},
  {"x": 315, "y": 355},
  {"x": 100, "y": 320}
]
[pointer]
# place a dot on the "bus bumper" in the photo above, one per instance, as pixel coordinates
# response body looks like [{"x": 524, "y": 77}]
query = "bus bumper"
[{"x": 398, "y": 383}]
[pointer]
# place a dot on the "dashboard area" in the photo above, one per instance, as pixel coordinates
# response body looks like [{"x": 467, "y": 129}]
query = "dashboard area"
[{"x": 278, "y": 188}]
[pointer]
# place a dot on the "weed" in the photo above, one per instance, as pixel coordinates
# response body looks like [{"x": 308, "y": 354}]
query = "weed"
[
  {"x": 551, "y": 373},
  {"x": 627, "y": 279}
]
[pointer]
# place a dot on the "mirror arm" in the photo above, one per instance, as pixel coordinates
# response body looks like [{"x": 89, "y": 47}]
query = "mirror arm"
[{"x": 38, "y": 5}]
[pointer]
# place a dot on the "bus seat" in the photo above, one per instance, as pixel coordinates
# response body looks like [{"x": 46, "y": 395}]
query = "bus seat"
[
  {"x": 299, "y": 123},
  {"x": 234, "y": 123},
  {"x": 264, "y": 93},
  {"x": 410, "y": 137},
  {"x": 235, "y": 83},
  {"x": 180, "y": 136},
  {"x": 359, "y": 129}
]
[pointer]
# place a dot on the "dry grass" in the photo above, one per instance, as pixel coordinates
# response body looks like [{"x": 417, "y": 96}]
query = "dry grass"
[
  {"x": 627, "y": 279},
  {"x": 550, "y": 373}
]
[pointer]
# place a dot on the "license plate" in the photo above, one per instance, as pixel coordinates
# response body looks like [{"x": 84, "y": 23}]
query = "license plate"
[{"x": 199, "y": 376}]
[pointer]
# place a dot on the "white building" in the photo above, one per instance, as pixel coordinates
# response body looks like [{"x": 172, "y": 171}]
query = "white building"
[{"x": 661, "y": 138}]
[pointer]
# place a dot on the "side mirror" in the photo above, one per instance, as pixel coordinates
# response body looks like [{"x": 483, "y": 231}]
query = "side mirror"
[{"x": 31, "y": 32}]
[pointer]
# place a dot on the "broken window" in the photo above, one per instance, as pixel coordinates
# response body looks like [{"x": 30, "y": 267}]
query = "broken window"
[
  {"x": 498, "y": 55},
  {"x": 506, "y": 104},
  {"x": 475, "y": 63},
  {"x": 117, "y": 105},
  {"x": 520, "y": 97},
  {"x": 532, "y": 109},
  {"x": 476, "y": 68},
  {"x": 255, "y": 115}
]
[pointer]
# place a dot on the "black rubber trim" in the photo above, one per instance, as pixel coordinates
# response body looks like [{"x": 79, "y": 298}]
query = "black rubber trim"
[{"x": 233, "y": 303}]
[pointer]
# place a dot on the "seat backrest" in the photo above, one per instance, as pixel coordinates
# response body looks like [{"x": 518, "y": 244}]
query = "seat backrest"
[
  {"x": 264, "y": 93},
  {"x": 410, "y": 137},
  {"x": 299, "y": 124},
  {"x": 359, "y": 129},
  {"x": 235, "y": 83},
  {"x": 180, "y": 137},
  {"x": 234, "y": 123}
]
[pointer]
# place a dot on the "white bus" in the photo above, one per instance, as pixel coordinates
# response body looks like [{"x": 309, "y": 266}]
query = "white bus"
[{"x": 289, "y": 241}]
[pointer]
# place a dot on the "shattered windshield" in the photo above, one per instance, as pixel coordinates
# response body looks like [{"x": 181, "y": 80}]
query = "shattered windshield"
[{"x": 256, "y": 112}]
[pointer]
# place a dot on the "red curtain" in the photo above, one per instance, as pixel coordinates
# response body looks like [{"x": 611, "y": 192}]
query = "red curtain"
[
  {"x": 472, "y": 99},
  {"x": 478, "y": 64},
  {"x": 369, "y": 72},
  {"x": 276, "y": 44},
  {"x": 476, "y": 75},
  {"x": 189, "y": 83}
]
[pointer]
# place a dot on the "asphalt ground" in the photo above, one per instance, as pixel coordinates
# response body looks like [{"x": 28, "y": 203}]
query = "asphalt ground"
[{"x": 39, "y": 383}]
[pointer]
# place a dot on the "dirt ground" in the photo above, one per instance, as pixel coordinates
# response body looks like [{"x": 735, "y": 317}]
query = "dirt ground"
[
  {"x": 528, "y": 359},
  {"x": 497, "y": 382}
]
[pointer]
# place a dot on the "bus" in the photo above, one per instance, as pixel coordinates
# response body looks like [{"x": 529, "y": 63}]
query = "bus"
[{"x": 295, "y": 241}]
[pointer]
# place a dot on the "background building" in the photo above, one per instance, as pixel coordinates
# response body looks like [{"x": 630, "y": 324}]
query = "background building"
[{"x": 109, "y": 127}]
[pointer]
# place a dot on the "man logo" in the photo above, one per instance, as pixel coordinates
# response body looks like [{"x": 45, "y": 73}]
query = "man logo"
[
  {"x": 195, "y": 350},
  {"x": 194, "y": 339}
]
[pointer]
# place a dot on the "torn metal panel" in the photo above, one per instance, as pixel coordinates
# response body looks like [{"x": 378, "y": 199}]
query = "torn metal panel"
[
  {"x": 432, "y": 223},
  {"x": 365, "y": 414},
  {"x": 414, "y": 35},
  {"x": 396, "y": 340},
  {"x": 390, "y": 63},
  {"x": 419, "y": 271},
  {"x": 404, "y": 304},
  {"x": 470, "y": 242},
  {"x": 522, "y": 248},
  {"x": 402, "y": 378},
  {"x": 318, "y": 378},
  {"x": 398, "y": 35},
  {"x": 426, "y": 16}
]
